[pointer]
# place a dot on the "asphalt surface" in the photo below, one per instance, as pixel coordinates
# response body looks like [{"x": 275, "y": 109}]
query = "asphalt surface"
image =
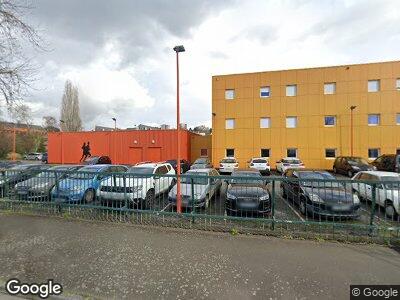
[{"x": 105, "y": 260}]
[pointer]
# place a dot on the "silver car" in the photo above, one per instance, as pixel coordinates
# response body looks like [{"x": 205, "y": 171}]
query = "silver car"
[{"x": 204, "y": 188}]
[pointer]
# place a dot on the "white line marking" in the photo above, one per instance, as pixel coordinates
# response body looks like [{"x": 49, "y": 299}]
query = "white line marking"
[
  {"x": 297, "y": 214},
  {"x": 168, "y": 205}
]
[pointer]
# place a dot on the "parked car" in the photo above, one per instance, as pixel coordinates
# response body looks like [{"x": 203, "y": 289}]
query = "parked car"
[
  {"x": 33, "y": 156},
  {"x": 228, "y": 165},
  {"x": 350, "y": 165},
  {"x": 140, "y": 187},
  {"x": 39, "y": 187},
  {"x": 18, "y": 173},
  {"x": 247, "y": 193},
  {"x": 387, "y": 162},
  {"x": 261, "y": 164},
  {"x": 97, "y": 160},
  {"x": 386, "y": 192},
  {"x": 45, "y": 158},
  {"x": 289, "y": 163},
  {"x": 81, "y": 186},
  {"x": 7, "y": 164},
  {"x": 324, "y": 197},
  {"x": 204, "y": 188},
  {"x": 201, "y": 163},
  {"x": 185, "y": 165}
]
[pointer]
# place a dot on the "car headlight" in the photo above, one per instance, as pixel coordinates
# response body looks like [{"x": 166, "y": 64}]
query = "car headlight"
[
  {"x": 265, "y": 197},
  {"x": 356, "y": 168},
  {"x": 356, "y": 200},
  {"x": 137, "y": 188},
  {"x": 315, "y": 198},
  {"x": 76, "y": 188},
  {"x": 230, "y": 196}
]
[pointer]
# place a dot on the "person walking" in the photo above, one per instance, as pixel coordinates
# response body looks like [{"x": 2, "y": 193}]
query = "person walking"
[
  {"x": 88, "y": 150},
  {"x": 84, "y": 147}
]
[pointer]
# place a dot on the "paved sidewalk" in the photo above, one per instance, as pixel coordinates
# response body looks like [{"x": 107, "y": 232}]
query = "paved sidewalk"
[{"x": 116, "y": 261}]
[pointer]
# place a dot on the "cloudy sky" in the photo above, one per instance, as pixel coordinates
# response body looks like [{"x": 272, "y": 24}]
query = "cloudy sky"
[{"x": 119, "y": 53}]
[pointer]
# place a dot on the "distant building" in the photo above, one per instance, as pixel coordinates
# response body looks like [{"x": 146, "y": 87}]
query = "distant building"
[
  {"x": 183, "y": 126},
  {"x": 202, "y": 130},
  {"x": 143, "y": 127},
  {"x": 9, "y": 126},
  {"x": 103, "y": 128},
  {"x": 165, "y": 126}
]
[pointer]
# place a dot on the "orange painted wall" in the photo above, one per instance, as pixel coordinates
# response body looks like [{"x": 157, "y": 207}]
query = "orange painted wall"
[{"x": 123, "y": 147}]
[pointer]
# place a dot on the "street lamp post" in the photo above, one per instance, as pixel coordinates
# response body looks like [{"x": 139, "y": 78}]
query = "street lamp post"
[
  {"x": 178, "y": 49},
  {"x": 351, "y": 128},
  {"x": 115, "y": 123}
]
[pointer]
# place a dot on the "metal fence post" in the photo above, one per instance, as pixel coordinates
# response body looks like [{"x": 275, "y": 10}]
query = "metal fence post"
[
  {"x": 273, "y": 204},
  {"x": 371, "y": 221},
  {"x": 57, "y": 192},
  {"x": 192, "y": 193}
]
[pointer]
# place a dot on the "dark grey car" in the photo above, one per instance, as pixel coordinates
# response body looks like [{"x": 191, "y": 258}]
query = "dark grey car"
[{"x": 39, "y": 186}]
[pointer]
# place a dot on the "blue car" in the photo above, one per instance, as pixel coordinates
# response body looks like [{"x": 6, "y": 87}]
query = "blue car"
[{"x": 81, "y": 187}]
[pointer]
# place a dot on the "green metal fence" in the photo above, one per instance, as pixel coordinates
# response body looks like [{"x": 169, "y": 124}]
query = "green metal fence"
[{"x": 339, "y": 209}]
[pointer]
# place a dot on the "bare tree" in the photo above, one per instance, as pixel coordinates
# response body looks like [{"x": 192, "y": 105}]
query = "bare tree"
[
  {"x": 16, "y": 69},
  {"x": 50, "y": 124},
  {"x": 21, "y": 114},
  {"x": 70, "y": 114}
]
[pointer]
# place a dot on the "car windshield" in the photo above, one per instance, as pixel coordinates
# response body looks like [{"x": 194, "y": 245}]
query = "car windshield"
[
  {"x": 228, "y": 161},
  {"x": 198, "y": 178},
  {"x": 246, "y": 178},
  {"x": 357, "y": 161},
  {"x": 201, "y": 161},
  {"x": 291, "y": 161},
  {"x": 259, "y": 161},
  {"x": 141, "y": 170},
  {"x": 393, "y": 182},
  {"x": 329, "y": 181},
  {"x": 85, "y": 173}
]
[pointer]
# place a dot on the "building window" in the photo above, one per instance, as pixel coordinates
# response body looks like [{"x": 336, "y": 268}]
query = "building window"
[
  {"x": 373, "y": 153},
  {"x": 373, "y": 86},
  {"x": 398, "y": 151},
  {"x": 397, "y": 119},
  {"x": 398, "y": 84},
  {"x": 229, "y": 94},
  {"x": 374, "y": 119},
  {"x": 291, "y": 90},
  {"x": 330, "y": 153},
  {"x": 265, "y": 92},
  {"x": 291, "y": 152},
  {"x": 230, "y": 152},
  {"x": 265, "y": 122},
  {"x": 229, "y": 123},
  {"x": 203, "y": 152},
  {"x": 265, "y": 152},
  {"x": 330, "y": 120},
  {"x": 291, "y": 122},
  {"x": 330, "y": 88}
]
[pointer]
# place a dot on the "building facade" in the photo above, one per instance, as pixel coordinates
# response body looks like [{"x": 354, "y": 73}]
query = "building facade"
[
  {"x": 126, "y": 146},
  {"x": 306, "y": 113}
]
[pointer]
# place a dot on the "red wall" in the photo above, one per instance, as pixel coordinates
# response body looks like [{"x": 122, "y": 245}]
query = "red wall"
[{"x": 123, "y": 147}]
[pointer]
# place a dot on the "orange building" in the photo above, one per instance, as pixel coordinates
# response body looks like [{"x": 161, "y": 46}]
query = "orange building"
[
  {"x": 125, "y": 146},
  {"x": 305, "y": 113}
]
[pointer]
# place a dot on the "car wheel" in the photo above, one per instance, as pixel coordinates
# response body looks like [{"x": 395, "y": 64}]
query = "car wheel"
[
  {"x": 350, "y": 173},
  {"x": 88, "y": 197},
  {"x": 150, "y": 197},
  {"x": 303, "y": 207},
  {"x": 390, "y": 212}
]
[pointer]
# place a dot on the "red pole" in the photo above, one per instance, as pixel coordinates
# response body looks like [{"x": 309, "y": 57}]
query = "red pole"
[
  {"x": 14, "y": 156},
  {"x": 178, "y": 153},
  {"x": 351, "y": 131}
]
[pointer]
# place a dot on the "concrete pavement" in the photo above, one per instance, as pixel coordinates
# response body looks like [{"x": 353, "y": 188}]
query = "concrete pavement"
[{"x": 106, "y": 260}]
